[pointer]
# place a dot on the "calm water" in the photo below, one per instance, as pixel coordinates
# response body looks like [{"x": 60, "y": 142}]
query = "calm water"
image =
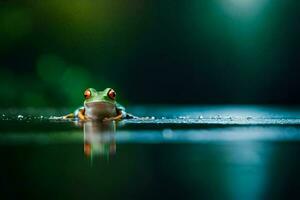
[{"x": 211, "y": 152}]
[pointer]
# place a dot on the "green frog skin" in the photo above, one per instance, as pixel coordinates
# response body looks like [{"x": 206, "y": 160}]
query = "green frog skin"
[{"x": 99, "y": 105}]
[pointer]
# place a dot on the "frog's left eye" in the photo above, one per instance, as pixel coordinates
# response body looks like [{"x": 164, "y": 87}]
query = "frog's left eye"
[
  {"x": 87, "y": 94},
  {"x": 112, "y": 94}
]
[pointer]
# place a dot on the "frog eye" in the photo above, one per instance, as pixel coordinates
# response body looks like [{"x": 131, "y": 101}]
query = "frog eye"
[
  {"x": 87, "y": 94},
  {"x": 112, "y": 94}
]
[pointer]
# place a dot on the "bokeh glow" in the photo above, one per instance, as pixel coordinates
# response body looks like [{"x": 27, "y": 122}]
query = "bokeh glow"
[{"x": 244, "y": 8}]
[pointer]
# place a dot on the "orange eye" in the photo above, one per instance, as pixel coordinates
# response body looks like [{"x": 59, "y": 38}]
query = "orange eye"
[
  {"x": 87, "y": 94},
  {"x": 112, "y": 94}
]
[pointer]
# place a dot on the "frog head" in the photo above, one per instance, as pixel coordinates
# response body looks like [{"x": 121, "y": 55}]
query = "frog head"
[
  {"x": 93, "y": 96},
  {"x": 100, "y": 104}
]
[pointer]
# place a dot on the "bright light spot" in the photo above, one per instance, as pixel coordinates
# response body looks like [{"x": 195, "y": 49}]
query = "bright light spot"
[{"x": 244, "y": 7}]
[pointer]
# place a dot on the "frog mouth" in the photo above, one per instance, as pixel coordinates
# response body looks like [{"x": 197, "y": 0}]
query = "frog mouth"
[{"x": 98, "y": 103}]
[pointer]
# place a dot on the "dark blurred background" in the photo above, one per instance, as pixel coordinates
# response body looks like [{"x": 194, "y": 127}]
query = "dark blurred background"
[{"x": 150, "y": 51}]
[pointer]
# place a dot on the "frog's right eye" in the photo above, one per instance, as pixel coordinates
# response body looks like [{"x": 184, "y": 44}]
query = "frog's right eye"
[
  {"x": 87, "y": 94},
  {"x": 112, "y": 94}
]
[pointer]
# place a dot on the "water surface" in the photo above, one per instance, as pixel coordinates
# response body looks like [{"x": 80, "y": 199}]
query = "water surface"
[{"x": 195, "y": 152}]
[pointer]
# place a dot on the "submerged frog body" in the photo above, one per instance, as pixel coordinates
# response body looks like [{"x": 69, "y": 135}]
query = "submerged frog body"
[{"x": 100, "y": 105}]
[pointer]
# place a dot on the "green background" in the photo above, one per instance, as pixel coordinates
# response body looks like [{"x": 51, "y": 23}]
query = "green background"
[{"x": 171, "y": 51}]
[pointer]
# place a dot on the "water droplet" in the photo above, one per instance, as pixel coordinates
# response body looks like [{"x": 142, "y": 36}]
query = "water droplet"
[{"x": 20, "y": 116}]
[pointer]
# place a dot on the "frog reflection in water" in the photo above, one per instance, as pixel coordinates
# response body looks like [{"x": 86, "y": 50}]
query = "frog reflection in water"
[
  {"x": 99, "y": 138},
  {"x": 100, "y": 105}
]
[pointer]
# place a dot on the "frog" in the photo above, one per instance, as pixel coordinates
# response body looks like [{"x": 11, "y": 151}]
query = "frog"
[{"x": 100, "y": 105}]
